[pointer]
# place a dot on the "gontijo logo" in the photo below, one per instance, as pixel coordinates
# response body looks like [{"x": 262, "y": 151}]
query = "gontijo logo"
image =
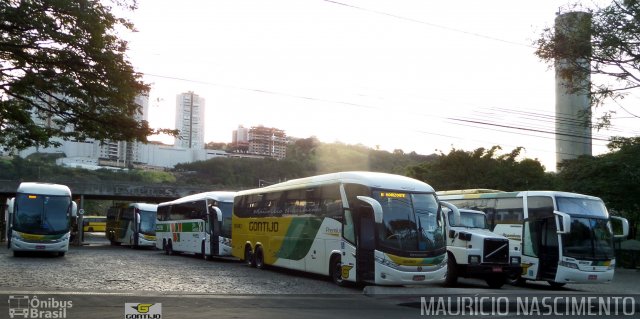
[{"x": 142, "y": 310}]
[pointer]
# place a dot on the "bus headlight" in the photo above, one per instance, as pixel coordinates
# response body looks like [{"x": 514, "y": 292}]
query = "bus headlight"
[
  {"x": 515, "y": 260},
  {"x": 612, "y": 265},
  {"x": 474, "y": 259},
  {"x": 568, "y": 264},
  {"x": 387, "y": 262}
]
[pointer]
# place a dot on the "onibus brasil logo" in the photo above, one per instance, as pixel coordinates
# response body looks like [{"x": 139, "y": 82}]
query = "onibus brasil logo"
[{"x": 32, "y": 307}]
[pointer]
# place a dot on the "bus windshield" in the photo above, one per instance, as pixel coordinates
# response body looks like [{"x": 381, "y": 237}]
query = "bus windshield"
[
  {"x": 468, "y": 219},
  {"x": 42, "y": 214},
  {"x": 410, "y": 222},
  {"x": 590, "y": 238},
  {"x": 148, "y": 222},
  {"x": 581, "y": 206}
]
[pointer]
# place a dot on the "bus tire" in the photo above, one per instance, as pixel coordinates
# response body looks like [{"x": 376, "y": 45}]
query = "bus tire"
[
  {"x": 18, "y": 253},
  {"x": 164, "y": 247},
  {"x": 248, "y": 257},
  {"x": 204, "y": 253},
  {"x": 335, "y": 271},
  {"x": 451, "y": 280},
  {"x": 61, "y": 253},
  {"x": 259, "y": 258},
  {"x": 169, "y": 249}
]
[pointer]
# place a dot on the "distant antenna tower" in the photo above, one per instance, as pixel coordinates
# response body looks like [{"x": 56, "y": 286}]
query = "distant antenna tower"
[{"x": 573, "y": 108}]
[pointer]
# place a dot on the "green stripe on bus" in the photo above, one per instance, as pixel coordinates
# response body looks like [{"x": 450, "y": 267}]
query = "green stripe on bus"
[{"x": 299, "y": 238}]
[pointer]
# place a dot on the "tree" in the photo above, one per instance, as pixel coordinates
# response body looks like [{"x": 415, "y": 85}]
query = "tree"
[
  {"x": 63, "y": 62},
  {"x": 614, "y": 51},
  {"x": 482, "y": 168},
  {"x": 614, "y": 177}
]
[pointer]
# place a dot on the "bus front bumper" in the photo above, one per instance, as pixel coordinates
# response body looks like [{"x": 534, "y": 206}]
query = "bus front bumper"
[
  {"x": 144, "y": 242},
  {"x": 386, "y": 275},
  {"x": 21, "y": 245},
  {"x": 571, "y": 275}
]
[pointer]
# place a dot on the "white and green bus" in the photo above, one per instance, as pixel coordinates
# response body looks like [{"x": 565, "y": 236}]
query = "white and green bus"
[
  {"x": 563, "y": 237},
  {"x": 199, "y": 224},
  {"x": 132, "y": 224},
  {"x": 39, "y": 218},
  {"x": 356, "y": 227}
]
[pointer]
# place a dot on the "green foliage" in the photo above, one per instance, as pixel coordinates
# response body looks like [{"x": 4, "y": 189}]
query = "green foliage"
[
  {"x": 613, "y": 51},
  {"x": 62, "y": 61},
  {"x": 614, "y": 177},
  {"x": 482, "y": 168},
  {"x": 305, "y": 157}
]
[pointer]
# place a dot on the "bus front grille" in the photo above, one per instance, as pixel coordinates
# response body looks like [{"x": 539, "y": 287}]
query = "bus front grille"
[{"x": 496, "y": 250}]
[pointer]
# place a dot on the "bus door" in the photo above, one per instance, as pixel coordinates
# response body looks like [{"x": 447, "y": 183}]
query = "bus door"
[
  {"x": 540, "y": 248},
  {"x": 530, "y": 261},
  {"x": 213, "y": 233},
  {"x": 365, "y": 244}
]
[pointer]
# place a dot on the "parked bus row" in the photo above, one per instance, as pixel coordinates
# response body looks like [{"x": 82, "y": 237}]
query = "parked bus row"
[{"x": 356, "y": 227}]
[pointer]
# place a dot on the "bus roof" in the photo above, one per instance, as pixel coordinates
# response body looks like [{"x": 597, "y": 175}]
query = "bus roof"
[
  {"x": 222, "y": 196},
  {"x": 516, "y": 194},
  {"x": 468, "y": 191},
  {"x": 44, "y": 189},
  {"x": 373, "y": 179}
]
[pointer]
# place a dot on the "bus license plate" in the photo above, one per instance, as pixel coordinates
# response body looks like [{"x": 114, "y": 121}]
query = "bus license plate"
[
  {"x": 593, "y": 277},
  {"x": 419, "y": 278},
  {"x": 39, "y": 246},
  {"x": 497, "y": 269}
]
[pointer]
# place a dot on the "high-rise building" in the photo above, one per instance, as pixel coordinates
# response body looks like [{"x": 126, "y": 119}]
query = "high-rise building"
[
  {"x": 122, "y": 153},
  {"x": 190, "y": 120},
  {"x": 268, "y": 141},
  {"x": 240, "y": 139}
]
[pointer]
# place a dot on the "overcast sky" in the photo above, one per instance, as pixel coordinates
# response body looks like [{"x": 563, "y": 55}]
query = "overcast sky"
[{"x": 393, "y": 74}]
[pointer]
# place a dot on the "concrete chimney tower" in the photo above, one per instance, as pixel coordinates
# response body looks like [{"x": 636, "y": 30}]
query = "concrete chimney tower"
[{"x": 573, "y": 116}]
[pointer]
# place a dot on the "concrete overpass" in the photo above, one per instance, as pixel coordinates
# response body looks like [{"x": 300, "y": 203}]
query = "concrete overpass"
[{"x": 154, "y": 193}]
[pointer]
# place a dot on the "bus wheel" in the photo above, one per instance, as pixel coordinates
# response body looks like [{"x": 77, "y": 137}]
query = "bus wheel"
[
  {"x": 17, "y": 254},
  {"x": 169, "y": 249},
  {"x": 248, "y": 257},
  {"x": 452, "y": 272},
  {"x": 516, "y": 280},
  {"x": 335, "y": 270},
  {"x": 61, "y": 254},
  {"x": 259, "y": 258},
  {"x": 556, "y": 284},
  {"x": 204, "y": 253}
]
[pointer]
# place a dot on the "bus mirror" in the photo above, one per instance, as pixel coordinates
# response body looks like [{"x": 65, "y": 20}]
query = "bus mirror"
[
  {"x": 563, "y": 222},
  {"x": 456, "y": 212},
  {"x": 377, "y": 208},
  {"x": 218, "y": 213},
  {"x": 75, "y": 211},
  {"x": 622, "y": 222}
]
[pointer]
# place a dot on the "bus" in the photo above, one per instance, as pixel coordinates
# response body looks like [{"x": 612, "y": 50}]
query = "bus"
[
  {"x": 133, "y": 224},
  {"x": 39, "y": 218},
  {"x": 198, "y": 224},
  {"x": 94, "y": 224},
  {"x": 356, "y": 227},
  {"x": 563, "y": 237}
]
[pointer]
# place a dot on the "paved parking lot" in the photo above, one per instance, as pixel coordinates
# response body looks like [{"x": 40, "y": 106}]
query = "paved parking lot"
[{"x": 99, "y": 266}]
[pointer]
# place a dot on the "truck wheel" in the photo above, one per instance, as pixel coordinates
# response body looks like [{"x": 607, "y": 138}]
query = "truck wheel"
[
  {"x": 495, "y": 282},
  {"x": 452, "y": 272}
]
